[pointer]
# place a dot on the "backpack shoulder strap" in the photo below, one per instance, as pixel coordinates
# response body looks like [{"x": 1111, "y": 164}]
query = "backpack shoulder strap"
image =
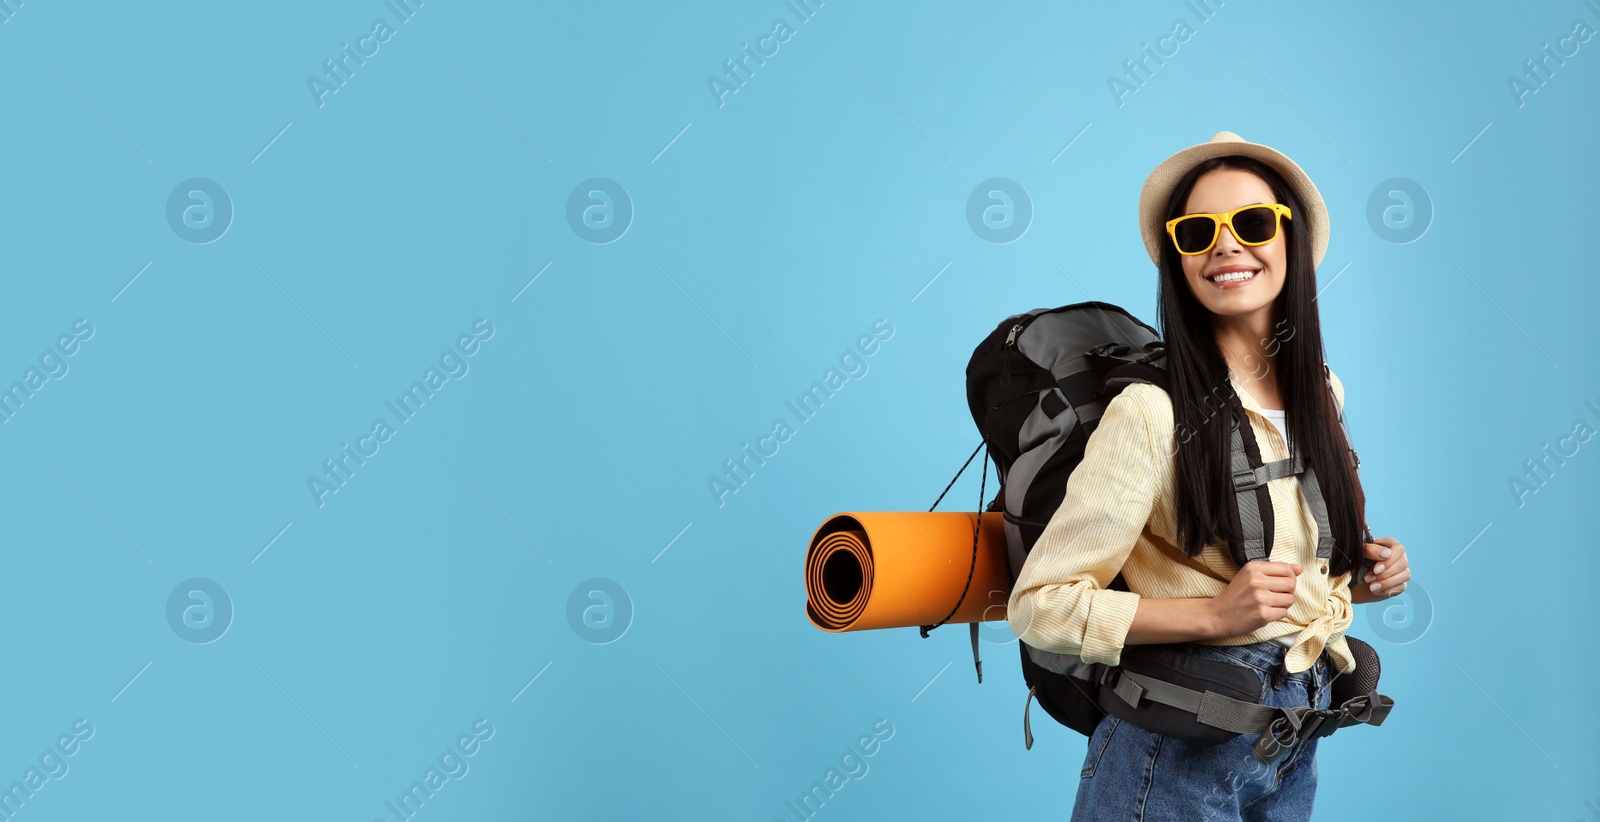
[
  {"x": 1250, "y": 475},
  {"x": 1250, "y": 494}
]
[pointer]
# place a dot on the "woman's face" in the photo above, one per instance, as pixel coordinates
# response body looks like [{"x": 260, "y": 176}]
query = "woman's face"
[{"x": 1218, "y": 192}]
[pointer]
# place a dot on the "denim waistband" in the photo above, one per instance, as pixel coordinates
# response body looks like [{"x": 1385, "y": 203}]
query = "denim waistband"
[{"x": 1268, "y": 657}]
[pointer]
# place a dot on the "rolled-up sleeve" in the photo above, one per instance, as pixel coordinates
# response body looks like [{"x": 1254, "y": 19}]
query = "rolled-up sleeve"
[{"x": 1060, "y": 602}]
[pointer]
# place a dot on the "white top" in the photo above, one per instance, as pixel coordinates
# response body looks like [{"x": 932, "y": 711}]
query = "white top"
[{"x": 1276, "y": 417}]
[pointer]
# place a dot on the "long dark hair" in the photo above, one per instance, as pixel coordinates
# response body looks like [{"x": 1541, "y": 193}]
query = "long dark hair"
[{"x": 1201, "y": 391}]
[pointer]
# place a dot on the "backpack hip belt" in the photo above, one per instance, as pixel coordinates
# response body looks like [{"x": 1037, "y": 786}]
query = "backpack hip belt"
[{"x": 1225, "y": 717}]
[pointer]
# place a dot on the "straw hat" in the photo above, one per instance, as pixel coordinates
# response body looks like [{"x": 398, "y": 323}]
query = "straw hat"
[{"x": 1159, "y": 185}]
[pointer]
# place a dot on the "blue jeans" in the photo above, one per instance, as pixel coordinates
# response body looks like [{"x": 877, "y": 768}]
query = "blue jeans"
[{"x": 1131, "y": 774}]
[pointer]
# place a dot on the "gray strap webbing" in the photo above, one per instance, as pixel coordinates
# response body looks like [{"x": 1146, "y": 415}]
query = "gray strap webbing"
[
  {"x": 1209, "y": 707},
  {"x": 1249, "y": 478},
  {"x": 1313, "y": 491},
  {"x": 1319, "y": 512},
  {"x": 1278, "y": 727},
  {"x": 1257, "y": 542},
  {"x": 1252, "y": 478}
]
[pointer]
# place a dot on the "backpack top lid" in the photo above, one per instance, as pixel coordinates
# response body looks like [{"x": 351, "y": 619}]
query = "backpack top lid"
[{"x": 1057, "y": 346}]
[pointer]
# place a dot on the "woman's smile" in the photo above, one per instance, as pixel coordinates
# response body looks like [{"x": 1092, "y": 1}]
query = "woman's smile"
[{"x": 1233, "y": 276}]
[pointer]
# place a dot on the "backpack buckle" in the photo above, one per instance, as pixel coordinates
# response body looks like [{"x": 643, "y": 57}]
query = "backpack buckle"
[
  {"x": 1246, "y": 479},
  {"x": 1273, "y": 743},
  {"x": 1110, "y": 348},
  {"x": 1153, "y": 354},
  {"x": 1319, "y": 723},
  {"x": 1291, "y": 725}
]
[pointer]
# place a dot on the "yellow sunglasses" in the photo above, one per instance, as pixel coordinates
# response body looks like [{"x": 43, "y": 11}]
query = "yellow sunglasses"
[{"x": 1252, "y": 225}]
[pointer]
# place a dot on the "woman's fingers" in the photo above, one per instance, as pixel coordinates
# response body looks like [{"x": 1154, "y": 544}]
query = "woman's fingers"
[
  {"x": 1390, "y": 567},
  {"x": 1393, "y": 581},
  {"x": 1392, "y": 570}
]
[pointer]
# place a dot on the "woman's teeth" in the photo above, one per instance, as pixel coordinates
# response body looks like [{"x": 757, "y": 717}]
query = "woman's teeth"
[{"x": 1234, "y": 276}]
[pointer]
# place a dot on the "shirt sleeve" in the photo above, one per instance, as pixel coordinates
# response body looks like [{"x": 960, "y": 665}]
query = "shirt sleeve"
[{"x": 1060, "y": 602}]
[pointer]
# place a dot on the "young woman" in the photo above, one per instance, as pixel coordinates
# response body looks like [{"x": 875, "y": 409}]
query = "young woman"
[{"x": 1236, "y": 230}]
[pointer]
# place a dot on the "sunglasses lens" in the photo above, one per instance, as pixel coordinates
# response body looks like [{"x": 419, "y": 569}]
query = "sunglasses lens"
[
  {"x": 1255, "y": 225},
  {"x": 1193, "y": 234}
]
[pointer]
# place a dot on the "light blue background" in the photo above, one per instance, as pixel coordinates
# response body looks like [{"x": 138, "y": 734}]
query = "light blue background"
[{"x": 768, "y": 234}]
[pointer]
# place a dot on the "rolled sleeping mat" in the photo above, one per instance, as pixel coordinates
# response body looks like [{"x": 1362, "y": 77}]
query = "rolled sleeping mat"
[{"x": 894, "y": 569}]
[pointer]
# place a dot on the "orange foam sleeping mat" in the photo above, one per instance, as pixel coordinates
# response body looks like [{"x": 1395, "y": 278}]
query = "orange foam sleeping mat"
[{"x": 898, "y": 569}]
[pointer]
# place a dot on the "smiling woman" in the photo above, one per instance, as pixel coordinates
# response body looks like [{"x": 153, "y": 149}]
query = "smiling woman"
[
  {"x": 1239, "y": 282},
  {"x": 1223, "y": 566}
]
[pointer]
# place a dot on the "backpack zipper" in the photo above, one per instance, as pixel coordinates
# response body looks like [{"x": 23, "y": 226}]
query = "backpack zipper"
[{"x": 1011, "y": 342}]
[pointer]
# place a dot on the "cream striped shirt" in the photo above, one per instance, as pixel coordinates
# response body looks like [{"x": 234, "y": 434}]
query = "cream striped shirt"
[{"x": 1118, "y": 515}]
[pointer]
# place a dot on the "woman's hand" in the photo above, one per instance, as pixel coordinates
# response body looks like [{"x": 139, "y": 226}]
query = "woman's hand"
[
  {"x": 1261, "y": 593},
  {"x": 1390, "y": 574}
]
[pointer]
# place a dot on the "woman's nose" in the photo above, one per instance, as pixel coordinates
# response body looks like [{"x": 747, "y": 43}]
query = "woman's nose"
[{"x": 1226, "y": 244}]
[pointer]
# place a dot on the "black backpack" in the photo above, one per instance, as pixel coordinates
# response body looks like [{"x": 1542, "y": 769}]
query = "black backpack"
[{"x": 1037, "y": 387}]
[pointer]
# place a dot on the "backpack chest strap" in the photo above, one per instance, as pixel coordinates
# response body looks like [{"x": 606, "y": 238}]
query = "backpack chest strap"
[
  {"x": 1248, "y": 478},
  {"x": 1254, "y": 500}
]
